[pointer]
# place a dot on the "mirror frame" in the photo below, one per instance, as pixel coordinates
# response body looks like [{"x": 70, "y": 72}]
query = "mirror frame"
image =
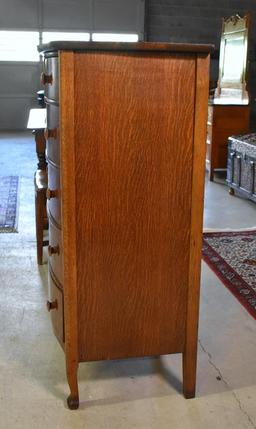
[{"x": 233, "y": 28}]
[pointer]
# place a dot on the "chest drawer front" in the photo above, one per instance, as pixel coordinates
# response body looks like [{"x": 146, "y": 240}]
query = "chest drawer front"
[
  {"x": 52, "y": 133},
  {"x": 55, "y": 251},
  {"x": 56, "y": 309},
  {"x": 54, "y": 193},
  {"x": 50, "y": 78}
]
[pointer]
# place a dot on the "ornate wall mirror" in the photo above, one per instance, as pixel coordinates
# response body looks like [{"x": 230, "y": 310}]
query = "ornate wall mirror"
[{"x": 233, "y": 60}]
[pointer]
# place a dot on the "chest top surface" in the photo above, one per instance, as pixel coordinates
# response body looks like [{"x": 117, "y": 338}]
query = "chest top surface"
[{"x": 56, "y": 46}]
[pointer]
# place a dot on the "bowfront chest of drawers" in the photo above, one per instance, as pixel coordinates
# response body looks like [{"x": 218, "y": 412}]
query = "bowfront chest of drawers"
[{"x": 126, "y": 127}]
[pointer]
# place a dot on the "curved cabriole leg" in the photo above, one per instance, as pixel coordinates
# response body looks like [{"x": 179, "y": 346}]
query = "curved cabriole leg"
[
  {"x": 73, "y": 402},
  {"x": 73, "y": 398}
]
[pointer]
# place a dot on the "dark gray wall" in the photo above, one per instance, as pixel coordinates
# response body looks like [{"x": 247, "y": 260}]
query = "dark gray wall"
[
  {"x": 195, "y": 21},
  {"x": 19, "y": 81},
  {"x": 199, "y": 21}
]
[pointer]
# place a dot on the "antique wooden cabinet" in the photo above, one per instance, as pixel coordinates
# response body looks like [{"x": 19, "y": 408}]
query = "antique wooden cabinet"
[
  {"x": 223, "y": 121},
  {"x": 126, "y": 127},
  {"x": 229, "y": 110}
]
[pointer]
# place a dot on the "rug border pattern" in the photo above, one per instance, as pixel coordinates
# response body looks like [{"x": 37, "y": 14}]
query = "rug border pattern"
[
  {"x": 209, "y": 253},
  {"x": 7, "y": 228}
]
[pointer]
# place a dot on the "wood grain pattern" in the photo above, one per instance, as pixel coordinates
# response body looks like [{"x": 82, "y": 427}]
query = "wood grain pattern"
[
  {"x": 67, "y": 161},
  {"x": 133, "y": 152},
  {"x": 197, "y": 203}
]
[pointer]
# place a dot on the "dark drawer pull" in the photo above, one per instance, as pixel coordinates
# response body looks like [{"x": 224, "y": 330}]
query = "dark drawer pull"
[
  {"x": 52, "y": 305},
  {"x": 51, "y": 193},
  {"x": 50, "y": 134},
  {"x": 46, "y": 78},
  {"x": 53, "y": 250}
]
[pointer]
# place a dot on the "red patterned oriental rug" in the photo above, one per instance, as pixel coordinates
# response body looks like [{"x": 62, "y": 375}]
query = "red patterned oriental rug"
[
  {"x": 232, "y": 257},
  {"x": 8, "y": 203}
]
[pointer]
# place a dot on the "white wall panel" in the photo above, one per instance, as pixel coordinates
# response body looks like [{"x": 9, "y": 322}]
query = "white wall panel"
[{"x": 20, "y": 81}]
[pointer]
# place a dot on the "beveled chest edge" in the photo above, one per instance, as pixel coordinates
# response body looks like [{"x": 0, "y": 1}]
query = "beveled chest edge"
[
  {"x": 124, "y": 46},
  {"x": 197, "y": 205}
]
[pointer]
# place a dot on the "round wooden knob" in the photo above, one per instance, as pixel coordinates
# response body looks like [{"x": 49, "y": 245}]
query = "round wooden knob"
[
  {"x": 53, "y": 250},
  {"x": 46, "y": 79},
  {"x": 52, "y": 305},
  {"x": 50, "y": 134},
  {"x": 51, "y": 193}
]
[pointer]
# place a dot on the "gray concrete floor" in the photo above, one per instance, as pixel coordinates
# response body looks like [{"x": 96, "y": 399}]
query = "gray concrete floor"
[{"x": 137, "y": 393}]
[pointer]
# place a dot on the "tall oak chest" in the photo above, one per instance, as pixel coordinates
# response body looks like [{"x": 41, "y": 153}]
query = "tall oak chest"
[{"x": 126, "y": 128}]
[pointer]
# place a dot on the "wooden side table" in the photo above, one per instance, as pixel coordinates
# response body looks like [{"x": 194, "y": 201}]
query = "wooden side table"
[{"x": 36, "y": 122}]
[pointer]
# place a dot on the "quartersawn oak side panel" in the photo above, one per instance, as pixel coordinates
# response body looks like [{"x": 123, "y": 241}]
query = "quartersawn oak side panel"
[
  {"x": 134, "y": 148},
  {"x": 197, "y": 201},
  {"x": 68, "y": 204}
]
